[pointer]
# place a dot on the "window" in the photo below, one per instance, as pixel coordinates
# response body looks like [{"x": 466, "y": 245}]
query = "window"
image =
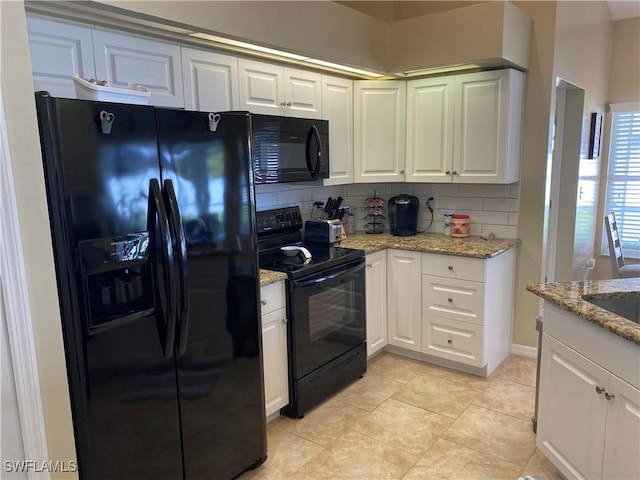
[{"x": 623, "y": 180}]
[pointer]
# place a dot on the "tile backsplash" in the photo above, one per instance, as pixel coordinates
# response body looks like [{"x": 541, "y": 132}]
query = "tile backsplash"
[{"x": 491, "y": 208}]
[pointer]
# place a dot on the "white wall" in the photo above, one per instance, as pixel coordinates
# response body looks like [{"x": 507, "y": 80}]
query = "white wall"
[
  {"x": 28, "y": 179},
  {"x": 11, "y": 445}
]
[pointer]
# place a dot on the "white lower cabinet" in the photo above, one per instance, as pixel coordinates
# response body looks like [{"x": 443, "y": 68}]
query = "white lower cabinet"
[
  {"x": 404, "y": 269},
  {"x": 467, "y": 308},
  {"x": 274, "y": 347},
  {"x": 376, "y": 285},
  {"x": 588, "y": 417}
]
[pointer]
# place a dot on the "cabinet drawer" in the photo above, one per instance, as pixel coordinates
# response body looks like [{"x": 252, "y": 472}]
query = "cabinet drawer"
[
  {"x": 458, "y": 341},
  {"x": 460, "y": 300},
  {"x": 451, "y": 266},
  {"x": 272, "y": 297}
]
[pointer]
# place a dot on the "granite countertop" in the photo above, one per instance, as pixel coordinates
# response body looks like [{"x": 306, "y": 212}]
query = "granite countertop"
[
  {"x": 476, "y": 247},
  {"x": 268, "y": 277},
  {"x": 568, "y": 295}
]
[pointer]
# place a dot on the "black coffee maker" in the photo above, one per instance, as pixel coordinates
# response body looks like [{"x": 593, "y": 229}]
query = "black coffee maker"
[{"x": 403, "y": 215}]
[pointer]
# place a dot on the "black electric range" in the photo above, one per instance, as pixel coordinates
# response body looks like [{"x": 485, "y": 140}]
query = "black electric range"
[
  {"x": 282, "y": 227},
  {"x": 326, "y": 309}
]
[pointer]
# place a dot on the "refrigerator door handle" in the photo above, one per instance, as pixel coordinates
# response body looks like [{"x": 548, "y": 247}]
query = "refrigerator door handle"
[
  {"x": 313, "y": 132},
  {"x": 180, "y": 244},
  {"x": 165, "y": 292}
]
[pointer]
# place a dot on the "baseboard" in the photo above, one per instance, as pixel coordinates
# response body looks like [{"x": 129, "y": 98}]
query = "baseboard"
[{"x": 524, "y": 350}]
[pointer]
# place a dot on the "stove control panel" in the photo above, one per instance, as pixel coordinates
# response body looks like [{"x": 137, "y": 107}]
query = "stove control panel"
[{"x": 278, "y": 220}]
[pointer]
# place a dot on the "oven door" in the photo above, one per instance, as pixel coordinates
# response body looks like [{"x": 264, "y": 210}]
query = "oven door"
[{"x": 327, "y": 316}]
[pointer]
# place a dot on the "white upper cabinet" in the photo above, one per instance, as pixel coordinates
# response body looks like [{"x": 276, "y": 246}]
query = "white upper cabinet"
[
  {"x": 379, "y": 136},
  {"x": 276, "y": 90},
  {"x": 430, "y": 129},
  {"x": 210, "y": 81},
  {"x": 58, "y": 52},
  {"x": 122, "y": 59},
  {"x": 337, "y": 107},
  {"x": 465, "y": 128}
]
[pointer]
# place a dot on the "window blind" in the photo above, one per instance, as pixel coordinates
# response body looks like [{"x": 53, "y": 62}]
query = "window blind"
[{"x": 623, "y": 181}]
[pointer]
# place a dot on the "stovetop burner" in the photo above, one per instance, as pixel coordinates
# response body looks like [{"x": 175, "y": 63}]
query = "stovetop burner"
[{"x": 282, "y": 227}]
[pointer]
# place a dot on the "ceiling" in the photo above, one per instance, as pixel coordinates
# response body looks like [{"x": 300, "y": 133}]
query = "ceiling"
[{"x": 389, "y": 11}]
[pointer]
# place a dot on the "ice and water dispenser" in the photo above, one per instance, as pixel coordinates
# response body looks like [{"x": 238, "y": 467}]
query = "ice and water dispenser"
[{"x": 117, "y": 278}]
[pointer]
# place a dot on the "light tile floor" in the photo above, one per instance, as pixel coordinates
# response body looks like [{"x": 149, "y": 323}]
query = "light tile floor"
[{"x": 411, "y": 420}]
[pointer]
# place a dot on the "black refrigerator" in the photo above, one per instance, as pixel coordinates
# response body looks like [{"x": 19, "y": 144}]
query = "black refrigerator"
[{"x": 152, "y": 214}]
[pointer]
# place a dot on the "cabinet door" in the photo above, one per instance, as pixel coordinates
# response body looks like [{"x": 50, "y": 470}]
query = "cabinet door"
[
  {"x": 430, "y": 115},
  {"x": 571, "y": 414},
  {"x": 379, "y": 121},
  {"x": 622, "y": 441},
  {"x": 376, "y": 282},
  {"x": 274, "y": 358},
  {"x": 482, "y": 126},
  {"x": 210, "y": 81},
  {"x": 458, "y": 341},
  {"x": 261, "y": 87},
  {"x": 302, "y": 93},
  {"x": 337, "y": 107},
  {"x": 59, "y": 51},
  {"x": 123, "y": 59},
  {"x": 404, "y": 299}
]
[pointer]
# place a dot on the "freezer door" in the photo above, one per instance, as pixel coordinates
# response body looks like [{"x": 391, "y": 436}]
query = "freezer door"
[
  {"x": 206, "y": 160},
  {"x": 100, "y": 163}
]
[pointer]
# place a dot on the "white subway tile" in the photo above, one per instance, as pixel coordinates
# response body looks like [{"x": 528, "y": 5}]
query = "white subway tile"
[
  {"x": 502, "y": 204},
  {"x": 295, "y": 197},
  {"x": 500, "y": 231},
  {"x": 459, "y": 203},
  {"x": 266, "y": 201},
  {"x": 496, "y": 218},
  {"x": 513, "y": 219},
  {"x": 433, "y": 189},
  {"x": 475, "y": 229},
  {"x": 515, "y": 190},
  {"x": 486, "y": 191}
]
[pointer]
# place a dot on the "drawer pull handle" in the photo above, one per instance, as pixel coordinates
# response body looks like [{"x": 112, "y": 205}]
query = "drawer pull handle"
[
  {"x": 599, "y": 390},
  {"x": 263, "y": 302},
  {"x": 608, "y": 395},
  {"x": 450, "y": 342},
  {"x": 450, "y": 268},
  {"x": 450, "y": 300}
]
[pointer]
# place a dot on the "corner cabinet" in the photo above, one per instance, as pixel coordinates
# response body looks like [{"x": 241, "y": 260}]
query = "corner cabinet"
[
  {"x": 274, "y": 347},
  {"x": 465, "y": 128},
  {"x": 272, "y": 89},
  {"x": 404, "y": 270},
  {"x": 376, "y": 294},
  {"x": 337, "y": 107},
  {"x": 210, "y": 81},
  {"x": 589, "y": 410},
  {"x": 379, "y": 131}
]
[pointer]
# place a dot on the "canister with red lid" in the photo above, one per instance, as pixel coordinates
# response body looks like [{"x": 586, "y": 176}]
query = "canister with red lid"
[{"x": 460, "y": 226}]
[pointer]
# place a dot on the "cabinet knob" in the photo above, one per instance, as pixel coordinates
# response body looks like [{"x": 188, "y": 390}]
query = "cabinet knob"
[
  {"x": 455, "y": 172},
  {"x": 369, "y": 265},
  {"x": 451, "y": 268},
  {"x": 608, "y": 395},
  {"x": 450, "y": 342},
  {"x": 599, "y": 390},
  {"x": 448, "y": 172},
  {"x": 401, "y": 172},
  {"x": 450, "y": 300},
  {"x": 289, "y": 104},
  {"x": 283, "y": 104},
  {"x": 263, "y": 302}
]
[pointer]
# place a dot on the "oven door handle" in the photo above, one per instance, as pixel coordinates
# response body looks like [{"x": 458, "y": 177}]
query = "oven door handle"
[{"x": 331, "y": 276}]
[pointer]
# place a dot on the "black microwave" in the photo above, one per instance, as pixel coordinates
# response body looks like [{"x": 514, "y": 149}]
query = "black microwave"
[{"x": 287, "y": 149}]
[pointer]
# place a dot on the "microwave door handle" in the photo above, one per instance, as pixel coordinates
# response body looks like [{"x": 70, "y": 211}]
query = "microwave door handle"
[
  {"x": 331, "y": 276},
  {"x": 313, "y": 132}
]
